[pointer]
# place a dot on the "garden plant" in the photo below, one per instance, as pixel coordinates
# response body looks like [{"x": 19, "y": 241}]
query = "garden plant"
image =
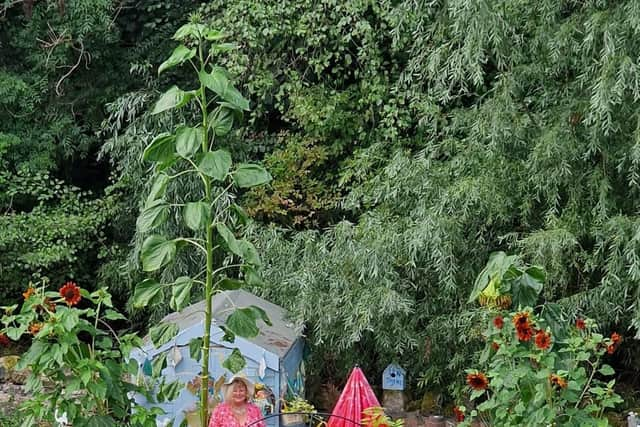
[
  {"x": 212, "y": 220},
  {"x": 536, "y": 369},
  {"x": 77, "y": 366}
]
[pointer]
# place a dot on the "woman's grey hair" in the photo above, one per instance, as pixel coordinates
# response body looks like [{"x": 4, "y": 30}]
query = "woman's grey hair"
[{"x": 229, "y": 391}]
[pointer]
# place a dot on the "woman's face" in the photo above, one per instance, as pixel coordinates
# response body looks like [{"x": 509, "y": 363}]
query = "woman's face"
[{"x": 238, "y": 393}]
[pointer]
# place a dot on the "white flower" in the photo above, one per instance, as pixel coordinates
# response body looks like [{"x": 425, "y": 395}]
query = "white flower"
[{"x": 163, "y": 422}]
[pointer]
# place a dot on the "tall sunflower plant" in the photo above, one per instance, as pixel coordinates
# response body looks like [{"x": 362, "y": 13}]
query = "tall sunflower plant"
[
  {"x": 211, "y": 219},
  {"x": 538, "y": 368},
  {"x": 75, "y": 363}
]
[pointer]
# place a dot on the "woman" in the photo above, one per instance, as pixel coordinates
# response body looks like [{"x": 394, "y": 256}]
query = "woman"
[{"x": 236, "y": 411}]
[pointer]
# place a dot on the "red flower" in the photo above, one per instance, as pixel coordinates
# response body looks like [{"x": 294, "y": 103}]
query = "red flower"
[
  {"x": 557, "y": 380},
  {"x": 524, "y": 333},
  {"x": 459, "y": 414},
  {"x": 580, "y": 324},
  {"x": 478, "y": 381},
  {"x": 495, "y": 346},
  {"x": 71, "y": 293},
  {"x": 543, "y": 340},
  {"x": 521, "y": 319},
  {"x": 30, "y": 291},
  {"x": 498, "y": 322},
  {"x": 4, "y": 340},
  {"x": 616, "y": 339}
]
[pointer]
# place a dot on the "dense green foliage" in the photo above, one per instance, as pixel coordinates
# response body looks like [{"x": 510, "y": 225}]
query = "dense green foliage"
[
  {"x": 491, "y": 125},
  {"x": 407, "y": 140},
  {"x": 51, "y": 100},
  {"x": 73, "y": 379}
]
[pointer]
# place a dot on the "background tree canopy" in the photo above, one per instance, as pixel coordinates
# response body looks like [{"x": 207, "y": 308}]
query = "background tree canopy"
[{"x": 407, "y": 139}]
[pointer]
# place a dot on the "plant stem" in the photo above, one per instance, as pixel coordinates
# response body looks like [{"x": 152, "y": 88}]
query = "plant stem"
[
  {"x": 588, "y": 383},
  {"x": 208, "y": 288},
  {"x": 95, "y": 327}
]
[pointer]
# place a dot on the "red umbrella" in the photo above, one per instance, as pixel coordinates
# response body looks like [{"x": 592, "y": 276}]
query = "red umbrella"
[{"x": 355, "y": 398}]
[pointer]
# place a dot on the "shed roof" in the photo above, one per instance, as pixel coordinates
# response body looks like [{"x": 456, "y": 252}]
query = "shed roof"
[{"x": 277, "y": 338}]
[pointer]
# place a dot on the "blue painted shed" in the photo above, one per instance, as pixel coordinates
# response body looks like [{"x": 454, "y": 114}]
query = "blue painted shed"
[{"x": 273, "y": 358}]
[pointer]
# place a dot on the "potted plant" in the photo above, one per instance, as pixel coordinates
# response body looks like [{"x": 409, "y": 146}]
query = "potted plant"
[
  {"x": 376, "y": 417},
  {"x": 296, "y": 411}
]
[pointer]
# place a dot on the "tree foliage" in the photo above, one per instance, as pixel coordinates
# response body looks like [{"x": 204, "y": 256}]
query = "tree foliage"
[
  {"x": 500, "y": 125},
  {"x": 408, "y": 140}
]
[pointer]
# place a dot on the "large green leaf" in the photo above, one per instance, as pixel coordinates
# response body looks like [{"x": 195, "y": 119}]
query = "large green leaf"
[
  {"x": 216, "y": 164},
  {"x": 249, "y": 175},
  {"x": 113, "y": 315},
  {"x": 157, "y": 252},
  {"x": 158, "y": 188},
  {"x": 249, "y": 252},
  {"x": 213, "y": 35},
  {"x": 251, "y": 276},
  {"x": 235, "y": 362},
  {"x": 145, "y": 291},
  {"x": 498, "y": 264},
  {"x": 163, "y": 333},
  {"x": 526, "y": 289},
  {"x": 221, "y": 121},
  {"x": 172, "y": 98},
  {"x": 228, "y": 284},
  {"x": 190, "y": 30},
  {"x": 188, "y": 140},
  {"x": 260, "y": 314},
  {"x": 161, "y": 148},
  {"x": 180, "y": 54},
  {"x": 229, "y": 239},
  {"x": 242, "y": 322},
  {"x": 180, "y": 292},
  {"x": 218, "y": 82},
  {"x": 152, "y": 216},
  {"x": 196, "y": 215}
]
